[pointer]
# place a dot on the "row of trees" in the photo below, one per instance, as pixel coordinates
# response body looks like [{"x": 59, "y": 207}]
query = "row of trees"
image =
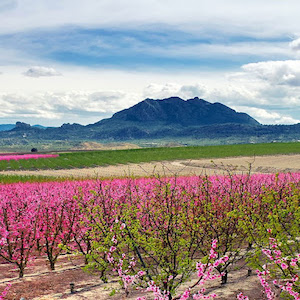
[{"x": 160, "y": 226}]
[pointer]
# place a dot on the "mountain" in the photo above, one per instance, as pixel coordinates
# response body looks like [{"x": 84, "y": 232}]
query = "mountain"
[
  {"x": 175, "y": 111},
  {"x": 172, "y": 118},
  {"x": 39, "y": 126},
  {"x": 5, "y": 127},
  {"x": 167, "y": 118}
]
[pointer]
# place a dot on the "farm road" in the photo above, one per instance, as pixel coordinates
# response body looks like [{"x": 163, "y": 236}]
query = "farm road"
[{"x": 259, "y": 164}]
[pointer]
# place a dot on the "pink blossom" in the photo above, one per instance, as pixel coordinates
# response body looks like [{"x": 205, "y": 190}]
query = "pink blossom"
[
  {"x": 284, "y": 266},
  {"x": 141, "y": 273},
  {"x": 112, "y": 249},
  {"x": 27, "y": 156},
  {"x": 241, "y": 296}
]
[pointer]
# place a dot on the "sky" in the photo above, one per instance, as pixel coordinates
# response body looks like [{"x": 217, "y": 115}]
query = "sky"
[{"x": 79, "y": 61}]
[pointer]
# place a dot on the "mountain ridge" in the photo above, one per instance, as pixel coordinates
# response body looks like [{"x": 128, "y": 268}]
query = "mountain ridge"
[
  {"x": 175, "y": 110},
  {"x": 171, "y": 118}
]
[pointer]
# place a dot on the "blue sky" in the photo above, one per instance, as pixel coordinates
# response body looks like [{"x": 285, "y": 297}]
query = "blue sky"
[
  {"x": 81, "y": 61},
  {"x": 154, "y": 48}
]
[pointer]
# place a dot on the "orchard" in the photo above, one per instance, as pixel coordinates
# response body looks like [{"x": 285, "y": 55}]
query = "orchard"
[{"x": 154, "y": 233}]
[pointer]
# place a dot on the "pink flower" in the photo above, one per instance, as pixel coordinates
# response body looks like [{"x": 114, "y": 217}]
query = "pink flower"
[
  {"x": 112, "y": 249},
  {"x": 241, "y": 296},
  {"x": 141, "y": 273},
  {"x": 185, "y": 295},
  {"x": 114, "y": 240},
  {"x": 284, "y": 266}
]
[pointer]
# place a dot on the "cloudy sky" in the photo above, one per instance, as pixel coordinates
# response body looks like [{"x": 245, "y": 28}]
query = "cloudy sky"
[{"x": 82, "y": 60}]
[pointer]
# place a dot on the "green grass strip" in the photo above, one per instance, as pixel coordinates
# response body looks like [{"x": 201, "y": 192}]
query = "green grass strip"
[{"x": 6, "y": 179}]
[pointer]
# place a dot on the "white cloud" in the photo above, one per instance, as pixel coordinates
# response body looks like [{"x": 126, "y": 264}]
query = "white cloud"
[
  {"x": 295, "y": 44},
  {"x": 103, "y": 92},
  {"x": 192, "y": 91},
  {"x": 56, "y": 108},
  {"x": 86, "y": 107},
  {"x": 159, "y": 91},
  {"x": 7, "y": 5},
  {"x": 98, "y": 79},
  {"x": 184, "y": 91},
  {"x": 271, "y": 18},
  {"x": 267, "y": 117},
  {"x": 39, "y": 71},
  {"x": 266, "y": 104},
  {"x": 228, "y": 94},
  {"x": 276, "y": 72},
  {"x": 218, "y": 50}
]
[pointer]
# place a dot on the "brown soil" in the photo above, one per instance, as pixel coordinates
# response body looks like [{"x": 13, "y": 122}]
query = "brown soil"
[
  {"x": 40, "y": 283},
  {"x": 109, "y": 146},
  {"x": 258, "y": 164}
]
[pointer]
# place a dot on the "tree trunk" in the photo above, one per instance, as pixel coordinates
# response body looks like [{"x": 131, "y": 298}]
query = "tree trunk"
[
  {"x": 224, "y": 277},
  {"x": 21, "y": 272},
  {"x": 52, "y": 265}
]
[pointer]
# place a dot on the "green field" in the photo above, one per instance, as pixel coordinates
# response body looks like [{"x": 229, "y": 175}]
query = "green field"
[
  {"x": 29, "y": 178},
  {"x": 112, "y": 157}
]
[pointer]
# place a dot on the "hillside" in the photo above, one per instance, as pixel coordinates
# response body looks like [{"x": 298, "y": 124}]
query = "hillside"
[
  {"x": 176, "y": 111},
  {"x": 5, "y": 127}
]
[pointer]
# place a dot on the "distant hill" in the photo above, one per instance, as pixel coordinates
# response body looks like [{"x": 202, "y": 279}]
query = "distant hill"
[
  {"x": 4, "y": 127},
  {"x": 172, "y": 118},
  {"x": 40, "y": 126}
]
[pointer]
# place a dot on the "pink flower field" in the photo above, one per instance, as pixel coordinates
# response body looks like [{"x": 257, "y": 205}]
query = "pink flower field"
[
  {"x": 26, "y": 156},
  {"x": 171, "y": 222}
]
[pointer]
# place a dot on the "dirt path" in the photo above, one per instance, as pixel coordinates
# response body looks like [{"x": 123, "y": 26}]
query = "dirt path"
[
  {"x": 259, "y": 164},
  {"x": 238, "y": 282},
  {"x": 40, "y": 283}
]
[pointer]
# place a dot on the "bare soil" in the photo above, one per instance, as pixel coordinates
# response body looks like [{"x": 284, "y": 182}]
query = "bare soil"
[
  {"x": 40, "y": 283},
  {"x": 258, "y": 164},
  {"x": 108, "y": 146}
]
